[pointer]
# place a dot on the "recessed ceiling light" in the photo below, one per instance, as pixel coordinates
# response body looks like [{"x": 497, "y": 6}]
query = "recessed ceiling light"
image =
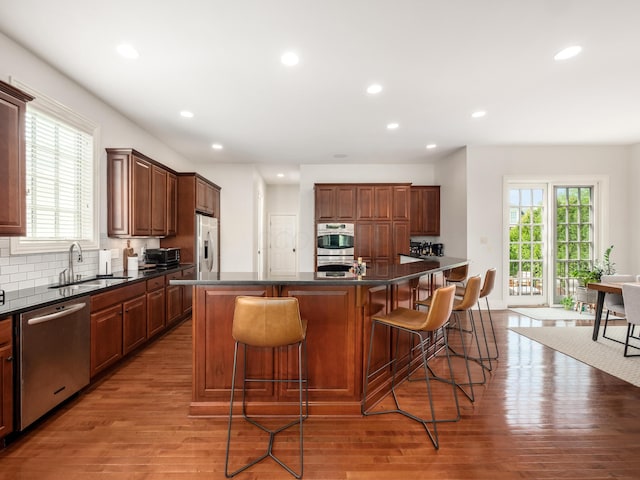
[
  {"x": 392, "y": 126},
  {"x": 127, "y": 51},
  {"x": 186, "y": 114},
  {"x": 280, "y": 175},
  {"x": 374, "y": 89},
  {"x": 340, "y": 155},
  {"x": 568, "y": 52},
  {"x": 431, "y": 145},
  {"x": 216, "y": 146},
  {"x": 290, "y": 59},
  {"x": 479, "y": 114}
]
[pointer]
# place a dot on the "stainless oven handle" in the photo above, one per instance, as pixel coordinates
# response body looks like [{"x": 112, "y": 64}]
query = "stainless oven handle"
[{"x": 53, "y": 316}]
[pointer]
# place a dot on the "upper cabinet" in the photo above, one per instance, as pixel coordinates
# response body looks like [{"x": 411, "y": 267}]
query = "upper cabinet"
[
  {"x": 425, "y": 210},
  {"x": 141, "y": 195},
  {"x": 195, "y": 194},
  {"x": 375, "y": 202},
  {"x": 335, "y": 203},
  {"x": 207, "y": 197},
  {"x": 13, "y": 214}
]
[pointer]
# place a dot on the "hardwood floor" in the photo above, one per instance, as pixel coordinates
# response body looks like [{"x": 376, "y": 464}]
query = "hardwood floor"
[{"x": 541, "y": 415}]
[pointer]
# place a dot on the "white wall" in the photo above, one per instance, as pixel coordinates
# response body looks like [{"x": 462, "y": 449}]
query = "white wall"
[
  {"x": 237, "y": 214},
  {"x": 486, "y": 168},
  {"x": 26, "y": 271},
  {"x": 451, "y": 175},
  {"x": 633, "y": 183}
]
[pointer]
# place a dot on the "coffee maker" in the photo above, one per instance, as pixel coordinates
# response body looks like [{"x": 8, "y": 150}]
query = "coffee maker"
[{"x": 437, "y": 249}]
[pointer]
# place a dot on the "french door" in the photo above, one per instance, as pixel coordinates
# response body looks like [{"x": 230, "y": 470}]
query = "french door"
[{"x": 551, "y": 230}]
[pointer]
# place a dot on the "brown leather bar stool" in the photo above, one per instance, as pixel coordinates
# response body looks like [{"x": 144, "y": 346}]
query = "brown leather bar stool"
[
  {"x": 269, "y": 322},
  {"x": 416, "y": 323},
  {"x": 457, "y": 274},
  {"x": 487, "y": 288},
  {"x": 470, "y": 298}
]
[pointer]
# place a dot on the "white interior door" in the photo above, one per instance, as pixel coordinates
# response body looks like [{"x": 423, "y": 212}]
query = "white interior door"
[{"x": 283, "y": 244}]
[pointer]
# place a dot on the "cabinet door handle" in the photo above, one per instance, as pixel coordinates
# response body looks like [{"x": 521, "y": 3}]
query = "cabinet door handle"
[{"x": 10, "y": 359}]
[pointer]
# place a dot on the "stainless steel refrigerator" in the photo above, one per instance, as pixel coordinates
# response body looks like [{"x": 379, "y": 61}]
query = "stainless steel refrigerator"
[{"x": 206, "y": 254}]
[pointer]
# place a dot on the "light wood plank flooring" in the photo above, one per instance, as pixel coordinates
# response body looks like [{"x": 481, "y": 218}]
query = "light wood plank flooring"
[{"x": 541, "y": 415}]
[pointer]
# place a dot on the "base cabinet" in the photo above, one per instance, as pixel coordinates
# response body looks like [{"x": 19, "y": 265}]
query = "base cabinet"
[
  {"x": 106, "y": 338},
  {"x": 174, "y": 298},
  {"x": 118, "y": 320},
  {"x": 6, "y": 377},
  {"x": 156, "y": 308},
  {"x": 134, "y": 323}
]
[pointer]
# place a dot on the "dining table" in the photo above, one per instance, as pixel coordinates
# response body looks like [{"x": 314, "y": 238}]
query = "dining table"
[{"x": 602, "y": 288}]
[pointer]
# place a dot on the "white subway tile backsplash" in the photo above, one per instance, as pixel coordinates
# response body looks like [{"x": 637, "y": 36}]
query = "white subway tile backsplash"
[
  {"x": 18, "y": 277},
  {"x": 18, "y": 260},
  {"x": 5, "y": 242},
  {"x": 10, "y": 269},
  {"x": 27, "y": 267},
  {"x": 26, "y": 284}
]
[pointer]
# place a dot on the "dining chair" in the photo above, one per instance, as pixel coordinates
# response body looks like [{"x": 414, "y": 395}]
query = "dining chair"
[
  {"x": 614, "y": 302},
  {"x": 631, "y": 295}
]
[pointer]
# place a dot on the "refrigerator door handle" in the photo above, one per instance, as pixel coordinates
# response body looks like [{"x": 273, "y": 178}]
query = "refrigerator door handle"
[{"x": 209, "y": 256}]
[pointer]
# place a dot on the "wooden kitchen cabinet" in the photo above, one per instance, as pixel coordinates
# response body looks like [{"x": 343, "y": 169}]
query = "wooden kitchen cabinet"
[
  {"x": 134, "y": 323},
  {"x": 141, "y": 198},
  {"x": 159, "y": 201},
  {"x": 172, "y": 204},
  {"x": 335, "y": 203},
  {"x": 207, "y": 197},
  {"x": 156, "y": 308},
  {"x": 106, "y": 338},
  {"x": 108, "y": 312},
  {"x": 375, "y": 202},
  {"x": 374, "y": 242},
  {"x": 401, "y": 204},
  {"x": 13, "y": 192},
  {"x": 187, "y": 290},
  {"x": 174, "y": 298},
  {"x": 6, "y": 377},
  {"x": 193, "y": 191},
  {"x": 425, "y": 210}
]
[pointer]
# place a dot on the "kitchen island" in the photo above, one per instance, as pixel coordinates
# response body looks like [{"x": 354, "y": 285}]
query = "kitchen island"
[{"x": 338, "y": 310}]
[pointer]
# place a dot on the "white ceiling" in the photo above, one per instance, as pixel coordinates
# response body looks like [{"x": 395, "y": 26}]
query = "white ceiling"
[{"x": 438, "y": 61}]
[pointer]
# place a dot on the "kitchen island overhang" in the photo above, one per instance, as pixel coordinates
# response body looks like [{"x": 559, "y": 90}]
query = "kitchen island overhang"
[{"x": 338, "y": 311}]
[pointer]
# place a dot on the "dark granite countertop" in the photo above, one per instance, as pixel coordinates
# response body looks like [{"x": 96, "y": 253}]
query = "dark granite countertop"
[
  {"x": 19, "y": 301},
  {"x": 375, "y": 275}
]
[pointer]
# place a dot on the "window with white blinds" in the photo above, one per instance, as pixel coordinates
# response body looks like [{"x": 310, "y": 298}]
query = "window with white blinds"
[{"x": 60, "y": 171}]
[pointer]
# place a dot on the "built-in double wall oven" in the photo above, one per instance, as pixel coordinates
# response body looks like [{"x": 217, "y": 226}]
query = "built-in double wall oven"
[{"x": 335, "y": 247}]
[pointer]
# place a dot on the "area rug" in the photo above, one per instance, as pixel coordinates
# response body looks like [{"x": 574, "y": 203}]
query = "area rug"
[
  {"x": 557, "y": 313},
  {"x": 605, "y": 355}
]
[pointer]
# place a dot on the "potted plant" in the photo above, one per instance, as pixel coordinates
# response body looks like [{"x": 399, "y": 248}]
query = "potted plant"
[
  {"x": 567, "y": 302},
  {"x": 587, "y": 275}
]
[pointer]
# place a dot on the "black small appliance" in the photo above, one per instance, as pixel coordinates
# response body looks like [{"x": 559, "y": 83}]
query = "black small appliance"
[{"x": 437, "y": 249}]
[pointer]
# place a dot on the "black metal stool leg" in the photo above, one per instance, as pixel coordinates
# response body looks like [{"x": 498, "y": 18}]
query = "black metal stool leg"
[{"x": 303, "y": 413}]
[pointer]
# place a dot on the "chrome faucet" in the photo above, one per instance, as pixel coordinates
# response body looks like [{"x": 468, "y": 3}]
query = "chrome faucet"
[{"x": 71, "y": 277}]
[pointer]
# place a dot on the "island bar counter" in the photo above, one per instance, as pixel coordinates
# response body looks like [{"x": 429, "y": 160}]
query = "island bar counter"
[{"x": 338, "y": 310}]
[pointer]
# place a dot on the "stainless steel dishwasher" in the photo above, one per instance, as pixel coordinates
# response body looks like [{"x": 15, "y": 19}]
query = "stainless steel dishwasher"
[{"x": 54, "y": 360}]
